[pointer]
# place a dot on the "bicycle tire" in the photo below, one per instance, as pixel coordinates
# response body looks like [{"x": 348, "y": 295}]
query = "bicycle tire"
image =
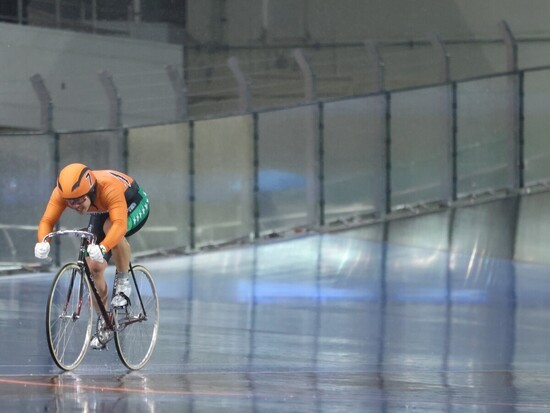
[
  {"x": 136, "y": 341},
  {"x": 68, "y": 334}
]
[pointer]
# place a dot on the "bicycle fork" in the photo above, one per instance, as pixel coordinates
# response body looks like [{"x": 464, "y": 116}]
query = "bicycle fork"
[
  {"x": 144, "y": 314},
  {"x": 76, "y": 315}
]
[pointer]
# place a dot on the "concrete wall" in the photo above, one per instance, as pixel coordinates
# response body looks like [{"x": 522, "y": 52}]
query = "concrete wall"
[{"x": 69, "y": 63}]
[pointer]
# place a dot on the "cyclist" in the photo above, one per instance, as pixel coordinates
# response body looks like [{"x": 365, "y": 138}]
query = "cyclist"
[{"x": 118, "y": 208}]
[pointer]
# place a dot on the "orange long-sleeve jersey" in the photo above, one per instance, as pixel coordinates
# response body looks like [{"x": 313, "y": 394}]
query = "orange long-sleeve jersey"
[{"x": 110, "y": 197}]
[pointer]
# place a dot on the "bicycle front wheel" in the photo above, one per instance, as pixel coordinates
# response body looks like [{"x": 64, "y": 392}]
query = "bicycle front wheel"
[
  {"x": 69, "y": 317},
  {"x": 138, "y": 323}
]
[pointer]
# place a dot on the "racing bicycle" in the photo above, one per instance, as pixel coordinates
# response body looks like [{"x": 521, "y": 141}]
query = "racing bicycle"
[{"x": 70, "y": 312}]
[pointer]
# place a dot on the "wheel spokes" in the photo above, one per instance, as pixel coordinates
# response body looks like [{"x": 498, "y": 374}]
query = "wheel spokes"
[
  {"x": 138, "y": 323},
  {"x": 69, "y": 317}
]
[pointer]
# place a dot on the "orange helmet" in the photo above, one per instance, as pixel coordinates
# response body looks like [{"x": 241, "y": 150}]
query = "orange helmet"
[{"x": 75, "y": 181}]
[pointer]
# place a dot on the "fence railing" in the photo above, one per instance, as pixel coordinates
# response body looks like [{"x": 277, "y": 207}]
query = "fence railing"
[
  {"x": 305, "y": 167},
  {"x": 241, "y": 80}
]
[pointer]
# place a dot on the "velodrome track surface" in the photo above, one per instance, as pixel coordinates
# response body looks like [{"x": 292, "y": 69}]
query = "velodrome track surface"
[{"x": 319, "y": 323}]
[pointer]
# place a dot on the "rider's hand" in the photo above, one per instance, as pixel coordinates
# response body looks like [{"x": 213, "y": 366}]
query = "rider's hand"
[
  {"x": 96, "y": 252},
  {"x": 41, "y": 250}
]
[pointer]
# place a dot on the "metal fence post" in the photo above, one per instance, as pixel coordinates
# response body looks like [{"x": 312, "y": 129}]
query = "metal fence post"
[
  {"x": 313, "y": 133},
  {"x": 514, "y": 105},
  {"x": 256, "y": 169},
  {"x": 45, "y": 99},
  {"x": 374, "y": 54},
  {"x": 454, "y": 144},
  {"x": 313, "y": 142},
  {"x": 511, "y": 47},
  {"x": 180, "y": 92},
  {"x": 192, "y": 228},
  {"x": 115, "y": 103},
  {"x": 384, "y": 109},
  {"x": 310, "y": 84},
  {"x": 243, "y": 84},
  {"x": 115, "y": 116},
  {"x": 321, "y": 162},
  {"x": 444, "y": 58},
  {"x": 447, "y": 100},
  {"x": 386, "y": 201}
]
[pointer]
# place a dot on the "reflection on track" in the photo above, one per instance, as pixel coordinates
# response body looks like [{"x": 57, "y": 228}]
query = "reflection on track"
[{"x": 364, "y": 320}]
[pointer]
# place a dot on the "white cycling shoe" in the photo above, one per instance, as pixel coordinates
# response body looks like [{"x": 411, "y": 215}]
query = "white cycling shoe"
[
  {"x": 123, "y": 289},
  {"x": 95, "y": 344}
]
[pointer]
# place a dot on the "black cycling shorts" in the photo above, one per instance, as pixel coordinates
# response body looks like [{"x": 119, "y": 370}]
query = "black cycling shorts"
[{"x": 138, "y": 212}]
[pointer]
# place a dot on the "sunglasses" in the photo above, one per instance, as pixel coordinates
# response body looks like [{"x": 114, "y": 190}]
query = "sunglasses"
[{"x": 76, "y": 201}]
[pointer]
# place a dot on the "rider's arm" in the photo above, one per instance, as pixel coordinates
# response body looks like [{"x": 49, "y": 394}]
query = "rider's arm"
[
  {"x": 119, "y": 219},
  {"x": 54, "y": 209}
]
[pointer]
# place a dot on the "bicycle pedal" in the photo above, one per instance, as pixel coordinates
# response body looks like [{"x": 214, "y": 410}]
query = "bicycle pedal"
[
  {"x": 104, "y": 348},
  {"x": 96, "y": 344},
  {"x": 119, "y": 307},
  {"x": 126, "y": 304}
]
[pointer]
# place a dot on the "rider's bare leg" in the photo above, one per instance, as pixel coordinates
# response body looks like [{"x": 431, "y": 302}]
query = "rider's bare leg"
[
  {"x": 98, "y": 273},
  {"x": 121, "y": 253}
]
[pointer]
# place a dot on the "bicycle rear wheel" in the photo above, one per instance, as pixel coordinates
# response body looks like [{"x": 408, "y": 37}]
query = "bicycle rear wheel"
[
  {"x": 69, "y": 317},
  {"x": 138, "y": 323}
]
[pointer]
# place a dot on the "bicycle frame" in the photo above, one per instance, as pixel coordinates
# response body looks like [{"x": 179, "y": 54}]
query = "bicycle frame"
[
  {"x": 71, "y": 300},
  {"x": 88, "y": 238},
  {"x": 81, "y": 261}
]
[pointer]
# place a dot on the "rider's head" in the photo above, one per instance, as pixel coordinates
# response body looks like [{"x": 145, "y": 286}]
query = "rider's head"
[{"x": 75, "y": 181}]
